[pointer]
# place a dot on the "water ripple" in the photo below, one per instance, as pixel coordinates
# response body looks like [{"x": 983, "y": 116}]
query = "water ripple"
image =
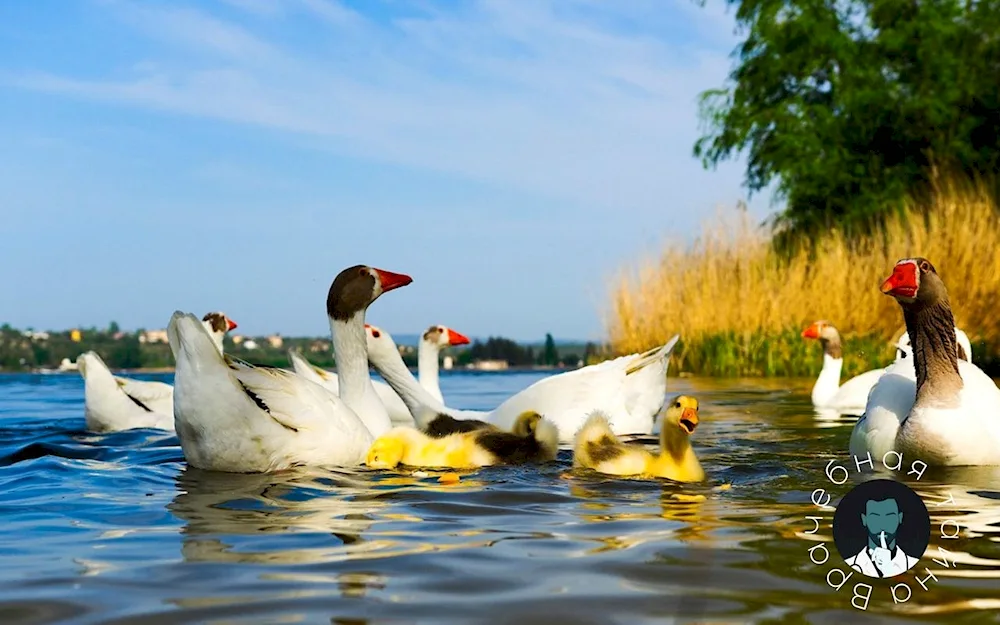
[{"x": 116, "y": 528}]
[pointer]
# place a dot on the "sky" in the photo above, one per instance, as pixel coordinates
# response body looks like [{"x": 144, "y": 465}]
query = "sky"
[{"x": 235, "y": 155}]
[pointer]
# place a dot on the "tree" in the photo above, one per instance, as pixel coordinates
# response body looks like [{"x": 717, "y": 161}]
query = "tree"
[
  {"x": 849, "y": 107},
  {"x": 127, "y": 354},
  {"x": 113, "y": 328},
  {"x": 550, "y": 356}
]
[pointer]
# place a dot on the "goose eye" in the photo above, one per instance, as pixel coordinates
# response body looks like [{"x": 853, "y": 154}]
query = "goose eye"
[
  {"x": 376, "y": 333},
  {"x": 925, "y": 267},
  {"x": 677, "y": 404}
]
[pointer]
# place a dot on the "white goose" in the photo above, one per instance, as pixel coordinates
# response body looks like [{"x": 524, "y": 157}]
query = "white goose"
[
  {"x": 232, "y": 416},
  {"x": 623, "y": 388},
  {"x": 828, "y": 393},
  {"x": 113, "y": 403},
  {"x": 934, "y": 407},
  {"x": 433, "y": 340},
  {"x": 394, "y": 406}
]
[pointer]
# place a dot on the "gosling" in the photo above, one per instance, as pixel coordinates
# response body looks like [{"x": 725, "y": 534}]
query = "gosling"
[
  {"x": 531, "y": 439},
  {"x": 597, "y": 447}
]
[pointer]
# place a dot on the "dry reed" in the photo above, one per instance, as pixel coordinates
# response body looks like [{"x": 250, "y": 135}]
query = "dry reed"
[{"x": 729, "y": 287}]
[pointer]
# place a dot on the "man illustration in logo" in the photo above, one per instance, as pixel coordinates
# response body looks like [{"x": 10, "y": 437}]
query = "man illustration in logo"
[{"x": 881, "y": 556}]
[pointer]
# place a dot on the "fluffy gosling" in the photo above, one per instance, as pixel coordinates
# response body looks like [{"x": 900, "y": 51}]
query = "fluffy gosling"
[
  {"x": 532, "y": 439},
  {"x": 597, "y": 447}
]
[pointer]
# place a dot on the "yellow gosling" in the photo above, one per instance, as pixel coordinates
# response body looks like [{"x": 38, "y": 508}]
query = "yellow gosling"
[
  {"x": 531, "y": 439},
  {"x": 597, "y": 447}
]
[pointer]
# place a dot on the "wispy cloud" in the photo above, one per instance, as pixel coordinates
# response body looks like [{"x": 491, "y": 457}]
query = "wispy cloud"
[
  {"x": 569, "y": 99},
  {"x": 470, "y": 143}
]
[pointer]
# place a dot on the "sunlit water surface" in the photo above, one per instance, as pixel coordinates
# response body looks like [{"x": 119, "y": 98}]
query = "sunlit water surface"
[{"x": 116, "y": 529}]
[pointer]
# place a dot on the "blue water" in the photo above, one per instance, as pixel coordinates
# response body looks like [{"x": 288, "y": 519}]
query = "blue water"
[{"x": 116, "y": 529}]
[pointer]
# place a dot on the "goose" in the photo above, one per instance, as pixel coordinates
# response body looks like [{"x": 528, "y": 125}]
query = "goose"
[
  {"x": 597, "y": 447},
  {"x": 934, "y": 407},
  {"x": 624, "y": 388},
  {"x": 113, "y": 403},
  {"x": 235, "y": 417},
  {"x": 532, "y": 439},
  {"x": 432, "y": 341},
  {"x": 828, "y": 393},
  {"x": 398, "y": 413}
]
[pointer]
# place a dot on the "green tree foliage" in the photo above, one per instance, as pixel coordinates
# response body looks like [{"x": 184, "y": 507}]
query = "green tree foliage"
[
  {"x": 499, "y": 348},
  {"x": 549, "y": 354},
  {"x": 126, "y": 353},
  {"x": 846, "y": 107}
]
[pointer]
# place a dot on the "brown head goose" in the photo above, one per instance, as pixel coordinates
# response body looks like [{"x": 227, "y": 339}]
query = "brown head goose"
[
  {"x": 936, "y": 407},
  {"x": 236, "y": 417}
]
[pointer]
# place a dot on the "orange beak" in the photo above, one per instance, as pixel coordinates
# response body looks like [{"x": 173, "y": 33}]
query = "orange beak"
[
  {"x": 232, "y": 325},
  {"x": 689, "y": 420},
  {"x": 812, "y": 332},
  {"x": 903, "y": 281},
  {"x": 392, "y": 280},
  {"x": 454, "y": 338}
]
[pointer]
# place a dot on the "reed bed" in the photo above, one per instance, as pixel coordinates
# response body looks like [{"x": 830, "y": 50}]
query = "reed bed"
[{"x": 740, "y": 308}]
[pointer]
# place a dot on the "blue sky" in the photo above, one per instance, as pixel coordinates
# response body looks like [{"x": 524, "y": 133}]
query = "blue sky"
[{"x": 235, "y": 155}]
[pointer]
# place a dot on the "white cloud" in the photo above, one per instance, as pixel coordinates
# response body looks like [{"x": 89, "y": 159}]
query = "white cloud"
[{"x": 569, "y": 99}]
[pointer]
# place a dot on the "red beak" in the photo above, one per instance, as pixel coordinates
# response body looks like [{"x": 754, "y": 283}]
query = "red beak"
[
  {"x": 454, "y": 338},
  {"x": 902, "y": 282},
  {"x": 812, "y": 332},
  {"x": 232, "y": 325},
  {"x": 392, "y": 280}
]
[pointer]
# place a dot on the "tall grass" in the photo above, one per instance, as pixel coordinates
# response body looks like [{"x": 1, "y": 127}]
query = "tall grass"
[{"x": 740, "y": 308}]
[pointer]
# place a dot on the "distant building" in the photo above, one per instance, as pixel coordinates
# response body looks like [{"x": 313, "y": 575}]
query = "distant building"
[
  {"x": 75, "y": 335},
  {"x": 154, "y": 336},
  {"x": 249, "y": 344},
  {"x": 319, "y": 346},
  {"x": 237, "y": 339},
  {"x": 448, "y": 363},
  {"x": 67, "y": 365},
  {"x": 489, "y": 365},
  {"x": 36, "y": 336},
  {"x": 275, "y": 341}
]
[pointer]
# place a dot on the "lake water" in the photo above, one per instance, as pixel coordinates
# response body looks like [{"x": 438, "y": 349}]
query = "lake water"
[{"x": 116, "y": 529}]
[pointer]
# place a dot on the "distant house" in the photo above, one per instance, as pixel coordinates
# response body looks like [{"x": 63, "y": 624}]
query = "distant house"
[
  {"x": 319, "y": 346},
  {"x": 75, "y": 335},
  {"x": 36, "y": 336},
  {"x": 154, "y": 336},
  {"x": 489, "y": 365},
  {"x": 275, "y": 341},
  {"x": 237, "y": 339},
  {"x": 448, "y": 363},
  {"x": 249, "y": 344}
]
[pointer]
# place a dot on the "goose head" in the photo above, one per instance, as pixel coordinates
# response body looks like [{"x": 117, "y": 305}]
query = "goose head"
[
  {"x": 441, "y": 336},
  {"x": 821, "y": 330},
  {"x": 914, "y": 283},
  {"x": 218, "y": 324},
  {"x": 381, "y": 346},
  {"x": 683, "y": 414},
  {"x": 355, "y": 288}
]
